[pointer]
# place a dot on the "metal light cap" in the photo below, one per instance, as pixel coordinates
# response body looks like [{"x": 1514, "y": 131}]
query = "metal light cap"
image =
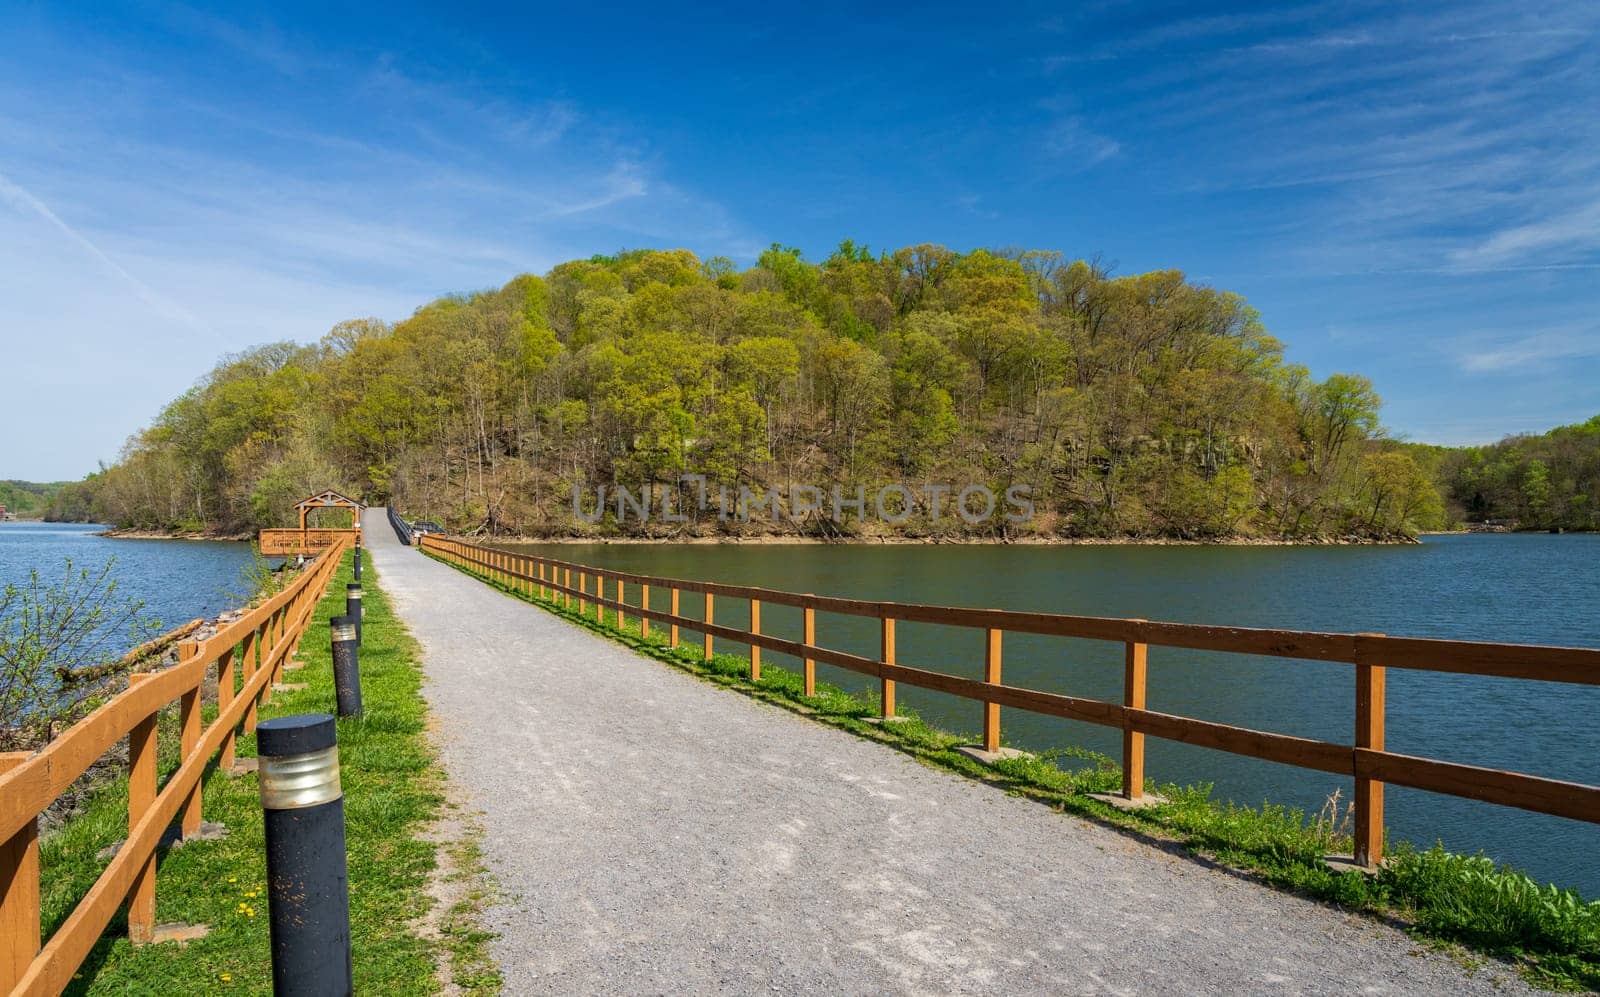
[
  {"x": 342, "y": 628},
  {"x": 293, "y": 782}
]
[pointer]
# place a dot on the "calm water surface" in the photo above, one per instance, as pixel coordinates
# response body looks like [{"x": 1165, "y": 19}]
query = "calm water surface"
[
  {"x": 177, "y": 580},
  {"x": 1536, "y": 589}
]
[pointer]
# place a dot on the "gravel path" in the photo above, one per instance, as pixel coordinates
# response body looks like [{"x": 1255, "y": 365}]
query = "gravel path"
[{"x": 651, "y": 833}]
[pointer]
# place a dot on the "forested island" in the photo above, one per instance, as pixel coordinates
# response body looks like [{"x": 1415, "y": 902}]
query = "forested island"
[{"x": 1138, "y": 407}]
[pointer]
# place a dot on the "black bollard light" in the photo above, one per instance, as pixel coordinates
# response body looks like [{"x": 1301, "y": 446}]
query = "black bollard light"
[
  {"x": 358, "y": 562},
  {"x": 308, "y": 890},
  {"x": 352, "y": 606},
  {"x": 346, "y": 665}
]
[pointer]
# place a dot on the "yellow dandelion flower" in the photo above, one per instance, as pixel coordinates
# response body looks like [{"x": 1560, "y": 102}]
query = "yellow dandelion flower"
[
  {"x": 233, "y": 879},
  {"x": 226, "y": 977}
]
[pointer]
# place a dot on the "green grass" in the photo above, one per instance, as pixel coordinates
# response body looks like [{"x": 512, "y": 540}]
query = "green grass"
[
  {"x": 1551, "y": 935},
  {"x": 393, "y": 790}
]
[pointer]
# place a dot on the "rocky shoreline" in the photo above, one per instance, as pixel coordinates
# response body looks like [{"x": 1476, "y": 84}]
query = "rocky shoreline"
[{"x": 137, "y": 534}]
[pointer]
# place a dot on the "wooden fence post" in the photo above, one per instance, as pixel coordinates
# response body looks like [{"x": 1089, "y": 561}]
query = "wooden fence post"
[
  {"x": 672, "y": 632},
  {"x": 1368, "y": 802},
  {"x": 141, "y": 797},
  {"x": 710, "y": 612},
  {"x": 644, "y": 603},
  {"x": 755, "y": 649},
  {"x": 809, "y": 665},
  {"x": 19, "y": 892},
  {"x": 621, "y": 618},
  {"x": 189, "y": 738},
  {"x": 225, "y": 693},
  {"x": 991, "y": 675},
  {"x": 1133, "y": 684},
  {"x": 290, "y": 619},
  {"x": 583, "y": 590},
  {"x": 886, "y": 685},
  {"x": 269, "y": 643},
  {"x": 254, "y": 643}
]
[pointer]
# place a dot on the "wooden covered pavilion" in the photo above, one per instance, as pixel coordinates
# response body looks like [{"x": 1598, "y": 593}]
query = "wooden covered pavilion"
[
  {"x": 328, "y": 499},
  {"x": 306, "y": 540}
]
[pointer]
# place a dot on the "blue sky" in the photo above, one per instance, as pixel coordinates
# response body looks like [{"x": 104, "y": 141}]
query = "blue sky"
[{"x": 1409, "y": 191}]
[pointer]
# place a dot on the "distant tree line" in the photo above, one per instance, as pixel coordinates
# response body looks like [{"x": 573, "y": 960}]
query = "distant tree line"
[
  {"x": 27, "y": 499},
  {"x": 1137, "y": 406},
  {"x": 1548, "y": 481}
]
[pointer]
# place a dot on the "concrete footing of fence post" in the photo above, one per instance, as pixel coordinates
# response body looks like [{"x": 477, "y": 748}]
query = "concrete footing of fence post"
[
  {"x": 1123, "y": 803},
  {"x": 346, "y": 665},
  {"x": 308, "y": 890},
  {"x": 1347, "y": 863},
  {"x": 979, "y": 753}
]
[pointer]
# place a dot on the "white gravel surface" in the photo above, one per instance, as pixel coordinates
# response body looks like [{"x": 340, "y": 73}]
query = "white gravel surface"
[{"x": 651, "y": 833}]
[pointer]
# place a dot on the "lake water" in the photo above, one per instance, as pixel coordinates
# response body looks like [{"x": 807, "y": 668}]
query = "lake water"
[
  {"x": 177, "y": 580},
  {"x": 1522, "y": 588}
]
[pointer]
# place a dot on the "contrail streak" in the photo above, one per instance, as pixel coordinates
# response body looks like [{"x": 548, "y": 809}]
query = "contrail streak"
[{"x": 24, "y": 200}]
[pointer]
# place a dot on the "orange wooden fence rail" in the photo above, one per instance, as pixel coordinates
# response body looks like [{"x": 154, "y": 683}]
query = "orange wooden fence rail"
[
  {"x": 1371, "y": 654},
  {"x": 260, "y": 642},
  {"x": 286, "y": 543}
]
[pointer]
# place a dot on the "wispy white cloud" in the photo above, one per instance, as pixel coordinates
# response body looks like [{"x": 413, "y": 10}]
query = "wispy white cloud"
[
  {"x": 1069, "y": 138},
  {"x": 973, "y": 204},
  {"x": 1489, "y": 354},
  {"x": 1578, "y": 229},
  {"x": 1450, "y": 138},
  {"x": 21, "y": 199},
  {"x": 625, "y": 182}
]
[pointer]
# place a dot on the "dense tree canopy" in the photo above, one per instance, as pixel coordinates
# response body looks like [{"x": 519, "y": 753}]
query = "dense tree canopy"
[
  {"x": 1142, "y": 405},
  {"x": 1551, "y": 481},
  {"x": 27, "y": 499}
]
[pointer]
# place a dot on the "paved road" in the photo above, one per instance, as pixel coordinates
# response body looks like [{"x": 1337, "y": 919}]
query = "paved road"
[{"x": 652, "y": 833}]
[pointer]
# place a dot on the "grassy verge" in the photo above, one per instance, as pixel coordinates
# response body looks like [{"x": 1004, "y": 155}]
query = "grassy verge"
[
  {"x": 1551, "y": 935},
  {"x": 393, "y": 792}
]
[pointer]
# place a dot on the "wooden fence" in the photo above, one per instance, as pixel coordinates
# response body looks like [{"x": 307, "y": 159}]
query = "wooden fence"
[
  {"x": 260, "y": 642},
  {"x": 1371, "y": 654},
  {"x": 287, "y": 543}
]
